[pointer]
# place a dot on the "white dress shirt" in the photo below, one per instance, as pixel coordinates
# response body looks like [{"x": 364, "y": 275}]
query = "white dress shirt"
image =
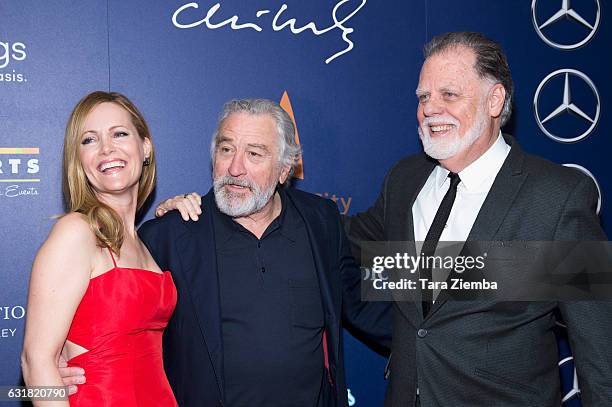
[{"x": 476, "y": 181}]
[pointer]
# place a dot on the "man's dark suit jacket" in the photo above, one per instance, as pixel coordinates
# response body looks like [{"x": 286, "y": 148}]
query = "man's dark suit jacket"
[
  {"x": 488, "y": 353},
  {"x": 193, "y": 348}
]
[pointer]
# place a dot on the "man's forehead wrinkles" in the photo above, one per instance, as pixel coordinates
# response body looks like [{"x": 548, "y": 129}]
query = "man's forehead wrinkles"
[{"x": 450, "y": 86}]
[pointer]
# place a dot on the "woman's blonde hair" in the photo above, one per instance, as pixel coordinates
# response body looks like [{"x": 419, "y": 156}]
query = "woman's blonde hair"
[{"x": 78, "y": 193}]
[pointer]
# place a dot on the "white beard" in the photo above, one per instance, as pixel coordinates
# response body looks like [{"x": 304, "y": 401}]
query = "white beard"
[
  {"x": 237, "y": 205},
  {"x": 442, "y": 148}
]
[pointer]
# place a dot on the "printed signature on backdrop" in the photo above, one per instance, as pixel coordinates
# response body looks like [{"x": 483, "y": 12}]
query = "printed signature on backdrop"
[{"x": 235, "y": 22}]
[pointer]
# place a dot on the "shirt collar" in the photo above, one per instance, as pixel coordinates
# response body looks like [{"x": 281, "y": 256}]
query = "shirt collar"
[{"x": 485, "y": 168}]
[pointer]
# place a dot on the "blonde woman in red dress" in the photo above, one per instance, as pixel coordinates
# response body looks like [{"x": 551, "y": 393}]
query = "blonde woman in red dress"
[{"x": 95, "y": 290}]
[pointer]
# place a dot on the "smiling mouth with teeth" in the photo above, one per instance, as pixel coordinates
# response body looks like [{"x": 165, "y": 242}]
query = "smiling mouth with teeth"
[
  {"x": 442, "y": 127},
  {"x": 112, "y": 164}
]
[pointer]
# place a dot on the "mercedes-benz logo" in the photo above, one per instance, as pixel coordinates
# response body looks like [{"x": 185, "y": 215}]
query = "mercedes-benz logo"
[
  {"x": 587, "y": 172},
  {"x": 566, "y": 11},
  {"x": 566, "y": 106}
]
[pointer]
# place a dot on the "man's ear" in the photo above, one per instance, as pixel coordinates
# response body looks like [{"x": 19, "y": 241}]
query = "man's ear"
[
  {"x": 495, "y": 102},
  {"x": 284, "y": 174}
]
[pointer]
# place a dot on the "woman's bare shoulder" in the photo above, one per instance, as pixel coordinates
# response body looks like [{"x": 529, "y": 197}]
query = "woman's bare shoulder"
[
  {"x": 72, "y": 235},
  {"x": 73, "y": 224}
]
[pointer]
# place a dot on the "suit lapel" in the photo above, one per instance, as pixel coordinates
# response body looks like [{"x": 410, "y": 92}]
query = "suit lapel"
[
  {"x": 320, "y": 255},
  {"x": 402, "y": 200},
  {"x": 198, "y": 258},
  {"x": 402, "y": 197},
  {"x": 496, "y": 206}
]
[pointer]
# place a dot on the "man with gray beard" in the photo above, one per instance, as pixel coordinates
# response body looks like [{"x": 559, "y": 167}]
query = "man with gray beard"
[
  {"x": 475, "y": 184},
  {"x": 264, "y": 278}
]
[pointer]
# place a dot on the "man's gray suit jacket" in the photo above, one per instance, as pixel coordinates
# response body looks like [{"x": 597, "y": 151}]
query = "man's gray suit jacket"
[{"x": 495, "y": 353}]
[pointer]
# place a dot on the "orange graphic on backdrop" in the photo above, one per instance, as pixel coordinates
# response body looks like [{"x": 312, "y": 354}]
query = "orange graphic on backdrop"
[{"x": 286, "y": 104}]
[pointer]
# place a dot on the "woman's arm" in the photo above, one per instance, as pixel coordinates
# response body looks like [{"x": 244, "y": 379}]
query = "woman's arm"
[{"x": 60, "y": 276}]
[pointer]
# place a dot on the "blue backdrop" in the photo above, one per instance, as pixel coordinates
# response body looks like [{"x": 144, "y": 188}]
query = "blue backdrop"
[{"x": 350, "y": 68}]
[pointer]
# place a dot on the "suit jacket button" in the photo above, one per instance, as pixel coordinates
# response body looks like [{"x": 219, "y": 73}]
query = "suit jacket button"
[{"x": 421, "y": 333}]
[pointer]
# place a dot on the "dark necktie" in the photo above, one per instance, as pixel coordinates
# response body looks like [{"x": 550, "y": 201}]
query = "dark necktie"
[{"x": 433, "y": 236}]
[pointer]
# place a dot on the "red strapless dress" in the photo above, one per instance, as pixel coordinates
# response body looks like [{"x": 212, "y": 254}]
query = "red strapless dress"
[{"x": 120, "y": 320}]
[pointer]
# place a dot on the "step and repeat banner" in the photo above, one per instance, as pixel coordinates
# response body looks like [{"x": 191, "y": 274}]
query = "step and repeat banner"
[{"x": 348, "y": 69}]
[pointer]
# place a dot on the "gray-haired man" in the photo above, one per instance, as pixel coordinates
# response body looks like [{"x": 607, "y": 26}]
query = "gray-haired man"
[
  {"x": 474, "y": 184},
  {"x": 265, "y": 277}
]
